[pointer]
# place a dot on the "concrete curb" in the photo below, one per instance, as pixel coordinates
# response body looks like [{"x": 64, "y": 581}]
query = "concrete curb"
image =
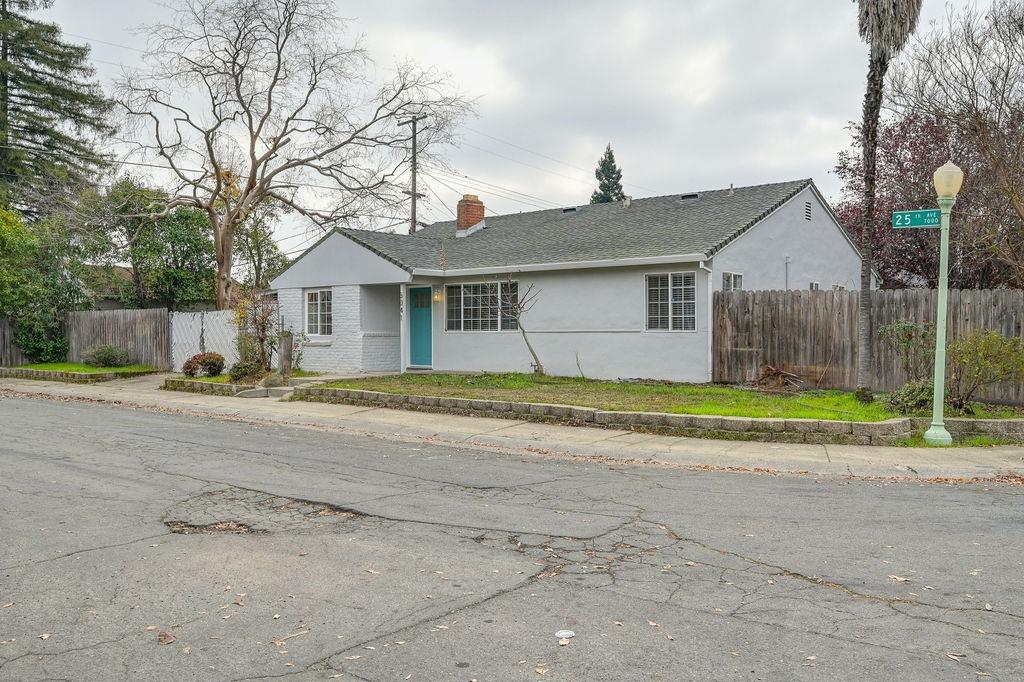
[
  {"x": 816, "y": 431},
  {"x": 69, "y": 377}
]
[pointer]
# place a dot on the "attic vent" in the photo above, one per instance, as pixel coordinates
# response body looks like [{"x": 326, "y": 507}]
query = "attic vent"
[
  {"x": 687, "y": 197},
  {"x": 807, "y": 210},
  {"x": 571, "y": 209}
]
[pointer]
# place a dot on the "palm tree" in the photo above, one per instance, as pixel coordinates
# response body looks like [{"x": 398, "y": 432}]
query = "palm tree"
[{"x": 885, "y": 25}]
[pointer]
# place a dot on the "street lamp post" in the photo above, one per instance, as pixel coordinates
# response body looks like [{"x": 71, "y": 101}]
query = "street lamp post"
[{"x": 947, "y": 179}]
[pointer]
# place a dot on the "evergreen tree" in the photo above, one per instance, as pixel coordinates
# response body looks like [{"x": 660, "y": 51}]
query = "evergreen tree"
[
  {"x": 49, "y": 105},
  {"x": 609, "y": 179}
]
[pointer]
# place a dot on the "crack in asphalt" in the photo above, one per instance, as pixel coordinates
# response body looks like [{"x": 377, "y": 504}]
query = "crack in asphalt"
[{"x": 630, "y": 547}]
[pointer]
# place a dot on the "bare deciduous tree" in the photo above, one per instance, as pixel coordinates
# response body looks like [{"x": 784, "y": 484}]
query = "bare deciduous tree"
[
  {"x": 245, "y": 102},
  {"x": 515, "y": 304},
  {"x": 968, "y": 73}
]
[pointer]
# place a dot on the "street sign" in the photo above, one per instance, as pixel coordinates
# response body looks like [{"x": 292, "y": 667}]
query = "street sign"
[{"x": 927, "y": 218}]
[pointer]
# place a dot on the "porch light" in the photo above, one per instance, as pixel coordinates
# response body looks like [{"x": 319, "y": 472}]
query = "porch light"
[{"x": 438, "y": 294}]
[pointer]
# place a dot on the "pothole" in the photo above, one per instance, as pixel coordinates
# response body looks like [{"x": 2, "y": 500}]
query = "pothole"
[
  {"x": 220, "y": 527},
  {"x": 237, "y": 510}
]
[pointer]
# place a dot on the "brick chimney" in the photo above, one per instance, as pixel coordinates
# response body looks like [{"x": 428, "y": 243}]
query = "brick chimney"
[{"x": 470, "y": 212}]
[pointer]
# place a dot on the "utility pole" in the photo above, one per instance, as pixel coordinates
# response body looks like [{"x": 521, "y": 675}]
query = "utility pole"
[{"x": 414, "y": 194}]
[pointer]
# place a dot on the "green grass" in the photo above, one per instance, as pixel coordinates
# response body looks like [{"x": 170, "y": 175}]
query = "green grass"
[
  {"x": 82, "y": 368},
  {"x": 977, "y": 441},
  {"x": 300, "y": 373},
  {"x": 634, "y": 397},
  {"x": 219, "y": 379}
]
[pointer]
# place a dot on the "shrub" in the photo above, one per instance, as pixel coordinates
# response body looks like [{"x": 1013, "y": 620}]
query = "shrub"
[
  {"x": 913, "y": 397},
  {"x": 979, "y": 359},
  {"x": 210, "y": 364},
  {"x": 914, "y": 343},
  {"x": 41, "y": 338},
  {"x": 242, "y": 372},
  {"x": 106, "y": 355}
]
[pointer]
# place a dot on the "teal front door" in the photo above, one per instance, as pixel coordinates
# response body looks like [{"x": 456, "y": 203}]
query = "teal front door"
[{"x": 419, "y": 327}]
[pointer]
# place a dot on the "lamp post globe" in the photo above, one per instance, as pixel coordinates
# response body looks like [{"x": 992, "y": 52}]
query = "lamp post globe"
[{"x": 948, "y": 180}]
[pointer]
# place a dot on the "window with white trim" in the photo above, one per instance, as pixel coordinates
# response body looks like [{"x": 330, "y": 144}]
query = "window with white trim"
[
  {"x": 672, "y": 301},
  {"x": 815, "y": 286},
  {"x": 732, "y": 281},
  {"x": 318, "y": 312},
  {"x": 481, "y": 306}
]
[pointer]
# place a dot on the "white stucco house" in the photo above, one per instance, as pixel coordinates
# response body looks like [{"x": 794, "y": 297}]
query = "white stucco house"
[{"x": 625, "y": 289}]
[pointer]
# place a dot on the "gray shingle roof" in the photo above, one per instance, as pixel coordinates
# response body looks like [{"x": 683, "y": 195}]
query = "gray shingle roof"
[{"x": 656, "y": 226}]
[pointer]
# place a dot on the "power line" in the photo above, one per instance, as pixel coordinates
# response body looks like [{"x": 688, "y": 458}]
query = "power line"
[
  {"x": 482, "y": 186},
  {"x": 478, "y": 181},
  {"x": 479, "y": 188},
  {"x": 544, "y": 156},
  {"x": 441, "y": 201},
  {"x": 190, "y": 170},
  {"x": 104, "y": 42}
]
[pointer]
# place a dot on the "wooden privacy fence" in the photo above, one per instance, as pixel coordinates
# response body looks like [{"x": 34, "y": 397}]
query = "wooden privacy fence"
[
  {"x": 144, "y": 333},
  {"x": 813, "y": 334},
  {"x": 10, "y": 354}
]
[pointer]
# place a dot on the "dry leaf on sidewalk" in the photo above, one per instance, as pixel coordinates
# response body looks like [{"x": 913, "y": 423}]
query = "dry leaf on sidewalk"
[{"x": 165, "y": 638}]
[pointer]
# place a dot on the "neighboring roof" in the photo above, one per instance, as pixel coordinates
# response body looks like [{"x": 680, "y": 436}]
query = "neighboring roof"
[
  {"x": 695, "y": 224},
  {"x": 106, "y": 281}
]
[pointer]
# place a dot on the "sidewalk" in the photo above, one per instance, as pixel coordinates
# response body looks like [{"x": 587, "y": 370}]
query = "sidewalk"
[{"x": 535, "y": 439}]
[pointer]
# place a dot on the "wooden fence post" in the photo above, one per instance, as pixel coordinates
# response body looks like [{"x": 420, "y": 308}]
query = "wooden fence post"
[{"x": 284, "y": 353}]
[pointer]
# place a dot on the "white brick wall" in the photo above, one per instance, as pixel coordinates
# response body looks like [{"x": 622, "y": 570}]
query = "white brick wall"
[
  {"x": 348, "y": 349},
  {"x": 381, "y": 353},
  {"x": 342, "y": 351}
]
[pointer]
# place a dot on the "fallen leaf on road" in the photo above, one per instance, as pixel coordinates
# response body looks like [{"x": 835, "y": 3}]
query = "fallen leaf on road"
[
  {"x": 8, "y": 605},
  {"x": 165, "y": 638},
  {"x": 564, "y": 642},
  {"x": 617, "y": 622},
  {"x": 653, "y": 624},
  {"x": 671, "y": 638},
  {"x": 691, "y": 563},
  {"x": 898, "y": 579},
  {"x": 187, "y": 650},
  {"x": 45, "y": 635},
  {"x": 954, "y": 657},
  {"x": 541, "y": 670},
  {"x": 276, "y": 616},
  {"x": 928, "y": 587},
  {"x": 150, "y": 627},
  {"x": 370, "y": 570},
  {"x": 352, "y": 658},
  {"x": 988, "y": 607}
]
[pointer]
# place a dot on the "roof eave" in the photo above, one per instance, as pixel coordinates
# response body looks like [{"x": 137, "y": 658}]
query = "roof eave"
[{"x": 567, "y": 265}]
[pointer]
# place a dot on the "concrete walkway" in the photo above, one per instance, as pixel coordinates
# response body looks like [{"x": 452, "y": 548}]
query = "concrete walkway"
[{"x": 547, "y": 440}]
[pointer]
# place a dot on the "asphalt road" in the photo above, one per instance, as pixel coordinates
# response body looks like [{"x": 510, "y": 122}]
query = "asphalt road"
[{"x": 308, "y": 554}]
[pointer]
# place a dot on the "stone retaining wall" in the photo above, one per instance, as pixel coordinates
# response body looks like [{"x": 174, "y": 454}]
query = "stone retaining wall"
[
  {"x": 68, "y": 377},
  {"x": 703, "y": 426},
  {"x": 210, "y": 388}
]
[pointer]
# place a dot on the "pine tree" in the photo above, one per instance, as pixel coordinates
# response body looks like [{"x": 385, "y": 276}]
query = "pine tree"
[
  {"x": 609, "y": 179},
  {"x": 50, "y": 106}
]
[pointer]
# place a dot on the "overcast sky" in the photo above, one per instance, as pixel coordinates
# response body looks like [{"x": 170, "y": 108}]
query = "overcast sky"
[{"x": 691, "y": 94}]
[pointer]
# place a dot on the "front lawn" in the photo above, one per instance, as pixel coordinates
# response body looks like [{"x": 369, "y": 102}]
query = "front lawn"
[
  {"x": 82, "y": 368},
  {"x": 630, "y": 397}
]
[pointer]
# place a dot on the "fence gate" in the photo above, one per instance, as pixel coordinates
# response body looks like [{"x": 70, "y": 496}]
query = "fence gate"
[{"x": 211, "y": 331}]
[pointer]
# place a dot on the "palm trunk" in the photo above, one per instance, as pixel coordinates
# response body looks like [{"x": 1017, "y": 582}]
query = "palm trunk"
[{"x": 879, "y": 65}]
